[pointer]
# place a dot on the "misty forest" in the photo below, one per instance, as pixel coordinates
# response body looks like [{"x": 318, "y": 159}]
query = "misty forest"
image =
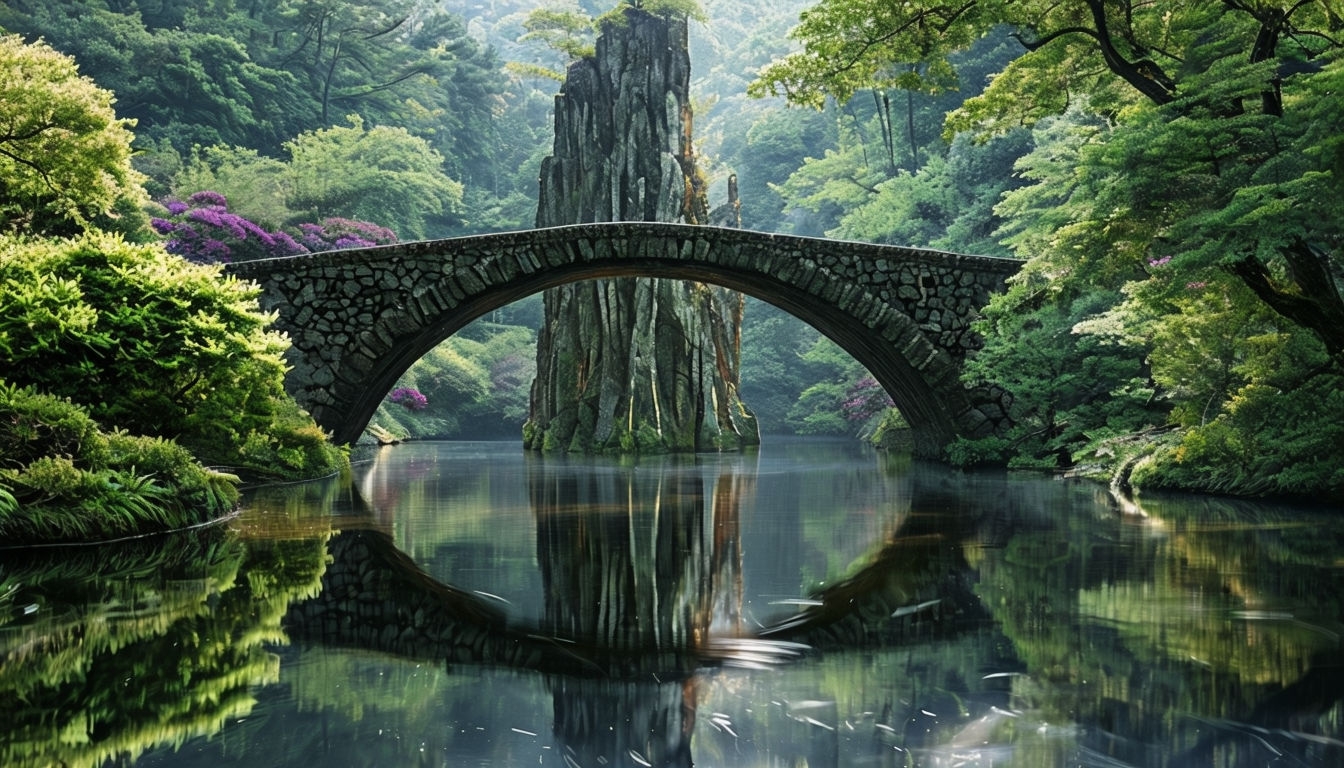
[
  {"x": 669, "y": 383},
  {"x": 1168, "y": 176}
]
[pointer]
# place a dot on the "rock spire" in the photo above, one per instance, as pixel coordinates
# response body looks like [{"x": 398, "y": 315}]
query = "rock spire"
[{"x": 633, "y": 364}]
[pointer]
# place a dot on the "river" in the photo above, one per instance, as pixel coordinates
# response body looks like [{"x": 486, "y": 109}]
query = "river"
[{"x": 815, "y": 604}]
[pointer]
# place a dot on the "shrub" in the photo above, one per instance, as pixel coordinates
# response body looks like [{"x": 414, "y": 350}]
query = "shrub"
[
  {"x": 964, "y": 452},
  {"x": 33, "y": 426},
  {"x": 336, "y": 233},
  {"x": 153, "y": 345},
  {"x": 408, "y": 398},
  {"x": 202, "y": 230},
  {"x": 1269, "y": 441},
  {"x": 63, "y": 478}
]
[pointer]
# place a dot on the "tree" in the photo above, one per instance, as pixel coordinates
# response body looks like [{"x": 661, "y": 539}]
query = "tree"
[
  {"x": 349, "y": 52},
  {"x": 181, "y": 83},
  {"x": 823, "y": 407},
  {"x": 376, "y": 174},
  {"x": 568, "y": 32},
  {"x": 1236, "y": 95},
  {"x": 64, "y": 154},
  {"x": 891, "y": 178},
  {"x": 257, "y": 187},
  {"x": 254, "y": 75}
]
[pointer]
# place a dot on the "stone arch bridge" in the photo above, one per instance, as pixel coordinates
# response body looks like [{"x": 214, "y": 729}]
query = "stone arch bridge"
[{"x": 359, "y": 318}]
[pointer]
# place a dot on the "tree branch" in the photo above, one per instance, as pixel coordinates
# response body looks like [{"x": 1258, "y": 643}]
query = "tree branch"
[
  {"x": 38, "y": 169},
  {"x": 1318, "y": 307},
  {"x": 1044, "y": 41},
  {"x": 380, "y": 87},
  {"x": 947, "y": 15},
  {"x": 1145, "y": 75}
]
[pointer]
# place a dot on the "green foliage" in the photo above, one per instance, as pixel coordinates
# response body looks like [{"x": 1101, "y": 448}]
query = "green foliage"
[
  {"x": 890, "y": 178},
  {"x": 64, "y": 154},
  {"x": 667, "y": 9},
  {"x": 766, "y": 154},
  {"x": 831, "y": 186},
  {"x": 153, "y": 345},
  {"x": 1214, "y": 210},
  {"x": 1266, "y": 441},
  {"x": 820, "y": 406},
  {"x": 964, "y": 452},
  {"x": 164, "y": 333},
  {"x": 772, "y": 374},
  {"x": 258, "y": 188},
  {"x": 891, "y": 430},
  {"x": 682, "y": 9},
  {"x": 63, "y": 478},
  {"x": 817, "y": 411},
  {"x": 147, "y": 644},
  {"x": 255, "y": 76},
  {"x": 849, "y": 46},
  {"x": 380, "y": 174},
  {"x": 1070, "y": 388},
  {"x": 477, "y": 385},
  {"x": 566, "y": 30}
]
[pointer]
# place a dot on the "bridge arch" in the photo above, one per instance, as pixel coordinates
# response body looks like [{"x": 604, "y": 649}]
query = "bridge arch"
[{"x": 358, "y": 319}]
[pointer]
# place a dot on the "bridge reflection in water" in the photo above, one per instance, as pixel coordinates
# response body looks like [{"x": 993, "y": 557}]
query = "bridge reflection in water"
[
  {"x": 642, "y": 590},
  {"x": 907, "y": 615}
]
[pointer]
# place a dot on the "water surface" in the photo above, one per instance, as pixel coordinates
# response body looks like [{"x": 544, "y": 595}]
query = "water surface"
[{"x": 816, "y": 603}]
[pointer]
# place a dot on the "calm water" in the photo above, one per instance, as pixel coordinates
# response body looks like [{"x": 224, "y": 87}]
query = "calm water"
[{"x": 816, "y": 604}]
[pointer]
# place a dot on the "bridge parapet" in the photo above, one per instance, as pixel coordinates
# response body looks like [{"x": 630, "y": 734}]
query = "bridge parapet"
[{"x": 359, "y": 318}]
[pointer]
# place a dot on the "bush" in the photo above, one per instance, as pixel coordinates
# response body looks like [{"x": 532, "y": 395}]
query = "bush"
[
  {"x": 964, "y": 452},
  {"x": 204, "y": 231},
  {"x": 335, "y": 233},
  {"x": 33, "y": 426},
  {"x": 1268, "y": 441},
  {"x": 153, "y": 345},
  {"x": 62, "y": 478}
]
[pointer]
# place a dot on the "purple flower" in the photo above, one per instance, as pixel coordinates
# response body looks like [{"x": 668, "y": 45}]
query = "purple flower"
[
  {"x": 865, "y": 400},
  {"x": 1159, "y": 261},
  {"x": 409, "y": 398},
  {"x": 284, "y": 245},
  {"x": 336, "y": 233},
  {"x": 204, "y": 231},
  {"x": 350, "y": 241},
  {"x": 208, "y": 199}
]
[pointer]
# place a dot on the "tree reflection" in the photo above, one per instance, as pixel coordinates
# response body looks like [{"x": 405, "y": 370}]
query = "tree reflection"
[
  {"x": 110, "y": 650},
  {"x": 1170, "y": 640},
  {"x": 947, "y": 617}
]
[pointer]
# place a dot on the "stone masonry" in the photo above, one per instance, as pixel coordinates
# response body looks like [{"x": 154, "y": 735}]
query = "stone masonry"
[{"x": 359, "y": 318}]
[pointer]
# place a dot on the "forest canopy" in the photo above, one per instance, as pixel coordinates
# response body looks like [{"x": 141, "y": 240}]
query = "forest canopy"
[{"x": 1180, "y": 221}]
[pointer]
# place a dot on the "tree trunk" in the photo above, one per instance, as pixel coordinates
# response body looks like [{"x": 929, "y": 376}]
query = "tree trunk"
[
  {"x": 1310, "y": 298},
  {"x": 633, "y": 364}
]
